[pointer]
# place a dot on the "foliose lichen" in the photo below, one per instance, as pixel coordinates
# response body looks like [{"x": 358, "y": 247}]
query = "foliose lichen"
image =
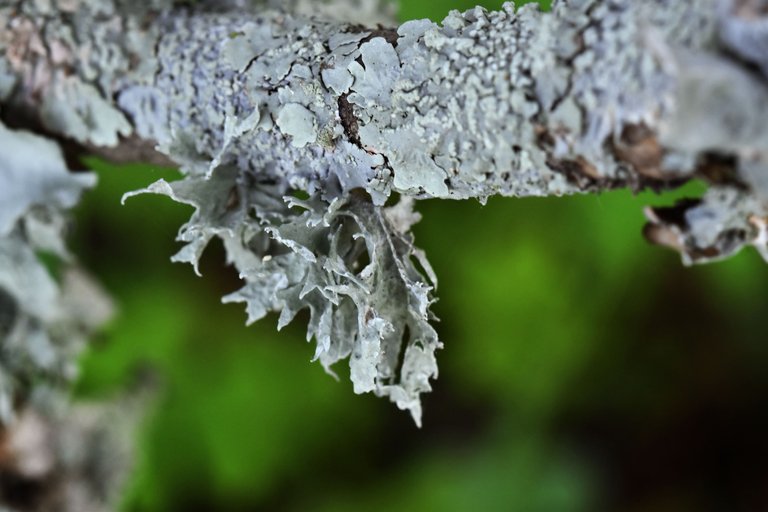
[
  {"x": 45, "y": 319},
  {"x": 294, "y": 132}
]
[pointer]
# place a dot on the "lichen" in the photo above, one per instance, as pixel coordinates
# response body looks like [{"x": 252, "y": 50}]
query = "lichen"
[
  {"x": 713, "y": 228},
  {"x": 513, "y": 102},
  {"x": 348, "y": 262},
  {"x": 258, "y": 109},
  {"x": 743, "y": 29},
  {"x": 297, "y": 122},
  {"x": 44, "y": 321}
]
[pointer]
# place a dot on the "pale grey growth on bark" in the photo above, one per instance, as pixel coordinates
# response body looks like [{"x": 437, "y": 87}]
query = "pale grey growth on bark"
[
  {"x": 44, "y": 320},
  {"x": 33, "y": 173},
  {"x": 370, "y": 13},
  {"x": 365, "y": 12},
  {"x": 711, "y": 228},
  {"x": 294, "y": 132},
  {"x": 744, "y": 30},
  {"x": 353, "y": 265}
]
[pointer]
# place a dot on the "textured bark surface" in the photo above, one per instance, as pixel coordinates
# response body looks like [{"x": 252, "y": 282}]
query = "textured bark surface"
[{"x": 294, "y": 132}]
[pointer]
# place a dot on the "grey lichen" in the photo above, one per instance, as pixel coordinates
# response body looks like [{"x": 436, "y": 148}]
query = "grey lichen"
[
  {"x": 298, "y": 122},
  {"x": 44, "y": 320},
  {"x": 744, "y": 30},
  {"x": 33, "y": 172},
  {"x": 350, "y": 263},
  {"x": 79, "y": 111},
  {"x": 712, "y": 228},
  {"x": 46, "y": 317},
  {"x": 259, "y": 110}
]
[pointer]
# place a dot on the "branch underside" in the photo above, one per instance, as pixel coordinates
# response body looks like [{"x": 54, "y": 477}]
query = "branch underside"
[{"x": 261, "y": 110}]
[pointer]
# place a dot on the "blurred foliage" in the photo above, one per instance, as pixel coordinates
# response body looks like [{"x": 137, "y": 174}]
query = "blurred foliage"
[{"x": 583, "y": 369}]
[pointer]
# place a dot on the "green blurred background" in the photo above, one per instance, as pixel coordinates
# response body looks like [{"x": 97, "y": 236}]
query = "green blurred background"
[{"x": 583, "y": 369}]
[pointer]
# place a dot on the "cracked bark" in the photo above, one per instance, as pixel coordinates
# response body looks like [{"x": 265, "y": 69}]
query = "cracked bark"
[{"x": 590, "y": 97}]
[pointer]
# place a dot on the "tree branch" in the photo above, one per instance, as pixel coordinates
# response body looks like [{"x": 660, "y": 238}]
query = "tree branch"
[{"x": 264, "y": 110}]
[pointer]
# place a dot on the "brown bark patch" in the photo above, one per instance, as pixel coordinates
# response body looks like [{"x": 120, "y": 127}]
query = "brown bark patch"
[
  {"x": 639, "y": 147},
  {"x": 348, "y": 120}
]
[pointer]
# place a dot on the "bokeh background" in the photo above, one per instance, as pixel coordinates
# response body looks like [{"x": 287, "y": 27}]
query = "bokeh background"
[{"x": 583, "y": 369}]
